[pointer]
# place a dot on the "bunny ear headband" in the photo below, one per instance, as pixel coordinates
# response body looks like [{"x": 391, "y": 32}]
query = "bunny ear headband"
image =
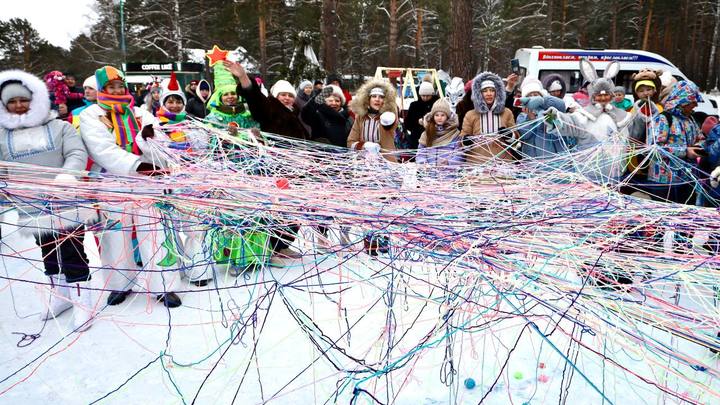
[
  {"x": 588, "y": 70},
  {"x": 599, "y": 85}
]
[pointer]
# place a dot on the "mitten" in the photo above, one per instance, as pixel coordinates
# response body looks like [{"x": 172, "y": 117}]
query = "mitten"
[
  {"x": 147, "y": 132},
  {"x": 324, "y": 93}
]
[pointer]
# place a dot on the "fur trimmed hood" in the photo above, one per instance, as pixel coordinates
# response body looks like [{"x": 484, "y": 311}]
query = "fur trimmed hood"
[
  {"x": 477, "y": 97},
  {"x": 550, "y": 79},
  {"x": 361, "y": 102},
  {"x": 39, "y": 105}
]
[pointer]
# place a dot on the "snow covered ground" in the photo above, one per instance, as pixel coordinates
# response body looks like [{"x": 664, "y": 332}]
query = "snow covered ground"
[{"x": 321, "y": 329}]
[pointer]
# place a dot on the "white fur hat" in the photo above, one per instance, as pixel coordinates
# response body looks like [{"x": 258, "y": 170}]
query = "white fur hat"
[
  {"x": 387, "y": 118},
  {"x": 426, "y": 89},
  {"x": 555, "y": 86},
  {"x": 337, "y": 92},
  {"x": 530, "y": 85},
  {"x": 90, "y": 82},
  {"x": 282, "y": 86}
]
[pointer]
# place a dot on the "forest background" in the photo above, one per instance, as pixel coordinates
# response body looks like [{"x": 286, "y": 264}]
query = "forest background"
[{"x": 353, "y": 37}]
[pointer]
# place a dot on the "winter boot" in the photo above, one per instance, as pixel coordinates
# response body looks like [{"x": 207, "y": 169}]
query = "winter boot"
[
  {"x": 84, "y": 307},
  {"x": 59, "y": 299},
  {"x": 170, "y": 300},
  {"x": 117, "y": 297}
]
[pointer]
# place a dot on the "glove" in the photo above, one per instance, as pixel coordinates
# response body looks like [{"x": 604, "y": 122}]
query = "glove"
[
  {"x": 551, "y": 119},
  {"x": 714, "y": 182},
  {"x": 644, "y": 107},
  {"x": 324, "y": 93},
  {"x": 371, "y": 147},
  {"x": 534, "y": 103},
  {"x": 147, "y": 132},
  {"x": 149, "y": 169}
]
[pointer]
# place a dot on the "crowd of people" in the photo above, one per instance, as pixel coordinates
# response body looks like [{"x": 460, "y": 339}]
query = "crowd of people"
[{"x": 104, "y": 128}]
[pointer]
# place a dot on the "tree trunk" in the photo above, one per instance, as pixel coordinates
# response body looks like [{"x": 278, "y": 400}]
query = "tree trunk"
[
  {"x": 262, "y": 33},
  {"x": 177, "y": 31},
  {"x": 329, "y": 31},
  {"x": 711, "y": 81},
  {"x": 461, "y": 47},
  {"x": 563, "y": 22},
  {"x": 613, "y": 31},
  {"x": 549, "y": 33},
  {"x": 640, "y": 13},
  {"x": 418, "y": 33},
  {"x": 393, "y": 34},
  {"x": 26, "y": 51},
  {"x": 648, "y": 22}
]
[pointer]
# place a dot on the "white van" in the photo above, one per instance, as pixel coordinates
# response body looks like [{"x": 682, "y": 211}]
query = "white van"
[{"x": 540, "y": 62}]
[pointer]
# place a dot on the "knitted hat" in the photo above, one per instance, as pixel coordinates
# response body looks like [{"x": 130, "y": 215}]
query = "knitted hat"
[
  {"x": 90, "y": 82},
  {"x": 170, "y": 87},
  {"x": 304, "y": 84},
  {"x": 468, "y": 86},
  {"x": 334, "y": 77},
  {"x": 555, "y": 86},
  {"x": 107, "y": 74},
  {"x": 12, "y": 89},
  {"x": 377, "y": 91},
  {"x": 486, "y": 84},
  {"x": 441, "y": 106},
  {"x": 426, "y": 89},
  {"x": 709, "y": 124},
  {"x": 282, "y": 86},
  {"x": 337, "y": 92},
  {"x": 531, "y": 85},
  {"x": 619, "y": 89}
]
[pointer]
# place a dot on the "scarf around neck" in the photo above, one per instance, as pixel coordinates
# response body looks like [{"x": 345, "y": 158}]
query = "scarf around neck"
[
  {"x": 125, "y": 126},
  {"x": 167, "y": 117},
  {"x": 170, "y": 119}
]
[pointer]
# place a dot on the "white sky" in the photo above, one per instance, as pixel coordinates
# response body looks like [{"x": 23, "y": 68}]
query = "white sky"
[{"x": 57, "y": 21}]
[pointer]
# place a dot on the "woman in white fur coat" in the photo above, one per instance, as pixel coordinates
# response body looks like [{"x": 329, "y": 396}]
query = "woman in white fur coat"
[{"x": 30, "y": 134}]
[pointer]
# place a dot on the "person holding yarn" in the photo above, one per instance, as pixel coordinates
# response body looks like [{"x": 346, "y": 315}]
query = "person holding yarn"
[
  {"x": 118, "y": 136},
  {"x": 30, "y": 134}
]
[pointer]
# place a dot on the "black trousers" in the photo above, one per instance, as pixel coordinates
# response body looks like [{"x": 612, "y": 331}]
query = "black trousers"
[
  {"x": 64, "y": 252},
  {"x": 282, "y": 238}
]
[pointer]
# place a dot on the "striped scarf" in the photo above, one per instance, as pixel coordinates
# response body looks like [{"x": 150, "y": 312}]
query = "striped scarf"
[
  {"x": 125, "y": 126},
  {"x": 166, "y": 117},
  {"x": 171, "y": 119}
]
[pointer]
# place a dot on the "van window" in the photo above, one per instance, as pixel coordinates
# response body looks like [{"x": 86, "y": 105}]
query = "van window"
[{"x": 574, "y": 78}]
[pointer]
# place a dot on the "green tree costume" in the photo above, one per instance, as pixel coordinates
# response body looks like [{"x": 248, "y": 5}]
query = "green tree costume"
[{"x": 240, "y": 242}]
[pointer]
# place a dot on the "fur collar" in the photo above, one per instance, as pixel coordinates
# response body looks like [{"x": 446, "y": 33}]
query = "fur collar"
[
  {"x": 500, "y": 95},
  {"x": 361, "y": 102},
  {"x": 594, "y": 111},
  {"x": 39, "y": 106}
]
